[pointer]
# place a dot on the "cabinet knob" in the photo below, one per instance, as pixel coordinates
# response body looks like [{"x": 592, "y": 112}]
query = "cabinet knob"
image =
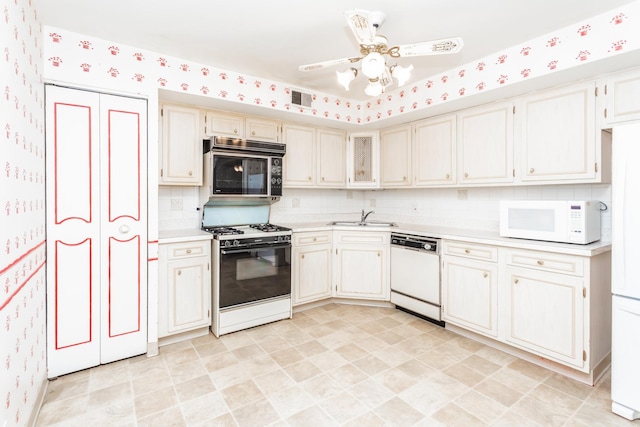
[
  {"x": 485, "y": 274},
  {"x": 309, "y": 178},
  {"x": 322, "y": 178},
  {"x": 466, "y": 175},
  {"x": 532, "y": 170},
  {"x": 179, "y": 272},
  {"x": 302, "y": 256},
  {"x": 124, "y": 229},
  {"x": 540, "y": 262},
  {"x": 253, "y": 133},
  {"x": 516, "y": 281},
  {"x": 188, "y": 251},
  {"x": 315, "y": 238},
  {"x": 190, "y": 173},
  {"x": 235, "y": 131},
  {"x": 404, "y": 178},
  {"x": 447, "y": 176},
  {"x": 467, "y": 251}
]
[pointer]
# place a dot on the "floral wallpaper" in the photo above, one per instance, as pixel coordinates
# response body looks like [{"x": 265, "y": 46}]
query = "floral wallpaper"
[
  {"x": 22, "y": 230},
  {"x": 95, "y": 62}
]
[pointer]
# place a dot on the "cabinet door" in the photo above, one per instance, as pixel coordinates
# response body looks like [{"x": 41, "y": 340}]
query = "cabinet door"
[
  {"x": 332, "y": 165},
  {"x": 622, "y": 94},
  {"x": 188, "y": 294},
  {"x": 223, "y": 124},
  {"x": 261, "y": 129},
  {"x": 363, "y": 161},
  {"x": 300, "y": 160},
  {"x": 395, "y": 157},
  {"x": 485, "y": 144},
  {"x": 434, "y": 152},
  {"x": 311, "y": 273},
  {"x": 361, "y": 272},
  {"x": 181, "y": 146},
  {"x": 546, "y": 314},
  {"x": 558, "y": 134},
  {"x": 469, "y": 294}
]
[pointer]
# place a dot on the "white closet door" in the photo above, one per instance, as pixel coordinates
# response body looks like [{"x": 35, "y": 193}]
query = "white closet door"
[
  {"x": 96, "y": 229},
  {"x": 123, "y": 177},
  {"x": 73, "y": 230}
]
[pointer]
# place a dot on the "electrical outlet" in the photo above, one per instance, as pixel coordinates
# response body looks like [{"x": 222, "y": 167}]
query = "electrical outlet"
[{"x": 462, "y": 195}]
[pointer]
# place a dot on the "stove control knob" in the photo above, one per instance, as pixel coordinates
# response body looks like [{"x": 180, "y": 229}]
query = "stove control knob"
[
  {"x": 427, "y": 246},
  {"x": 236, "y": 243},
  {"x": 226, "y": 243}
]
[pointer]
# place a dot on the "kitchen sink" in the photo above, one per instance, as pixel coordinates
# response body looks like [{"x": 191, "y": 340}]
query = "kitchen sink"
[{"x": 364, "y": 224}]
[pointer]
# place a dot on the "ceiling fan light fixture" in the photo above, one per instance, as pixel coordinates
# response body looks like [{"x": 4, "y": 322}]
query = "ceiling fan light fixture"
[
  {"x": 346, "y": 77},
  {"x": 402, "y": 74},
  {"x": 373, "y": 65}
]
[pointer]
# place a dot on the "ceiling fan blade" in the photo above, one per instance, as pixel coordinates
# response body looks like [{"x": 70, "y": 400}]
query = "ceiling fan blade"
[
  {"x": 361, "y": 24},
  {"x": 434, "y": 47},
  {"x": 325, "y": 64}
]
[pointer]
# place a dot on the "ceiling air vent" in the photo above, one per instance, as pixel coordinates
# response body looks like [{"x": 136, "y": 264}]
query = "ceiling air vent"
[{"x": 300, "y": 98}]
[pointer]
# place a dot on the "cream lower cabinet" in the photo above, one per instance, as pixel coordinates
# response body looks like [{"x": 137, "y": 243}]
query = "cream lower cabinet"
[
  {"x": 362, "y": 265},
  {"x": 470, "y": 287},
  {"x": 184, "y": 287},
  {"x": 311, "y": 266}
]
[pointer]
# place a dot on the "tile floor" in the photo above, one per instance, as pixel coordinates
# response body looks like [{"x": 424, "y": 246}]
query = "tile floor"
[{"x": 332, "y": 365}]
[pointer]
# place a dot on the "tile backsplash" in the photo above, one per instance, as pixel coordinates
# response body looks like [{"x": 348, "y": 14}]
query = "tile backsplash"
[{"x": 467, "y": 208}]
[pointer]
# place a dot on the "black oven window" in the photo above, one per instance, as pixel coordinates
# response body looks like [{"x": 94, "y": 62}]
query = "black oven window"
[{"x": 240, "y": 175}]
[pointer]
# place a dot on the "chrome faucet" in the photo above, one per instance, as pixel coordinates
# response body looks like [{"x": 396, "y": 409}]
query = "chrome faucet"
[{"x": 363, "y": 216}]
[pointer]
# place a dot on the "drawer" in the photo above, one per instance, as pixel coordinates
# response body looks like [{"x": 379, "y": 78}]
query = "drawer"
[
  {"x": 471, "y": 250},
  {"x": 188, "y": 249},
  {"x": 363, "y": 237},
  {"x": 547, "y": 261},
  {"x": 311, "y": 238}
]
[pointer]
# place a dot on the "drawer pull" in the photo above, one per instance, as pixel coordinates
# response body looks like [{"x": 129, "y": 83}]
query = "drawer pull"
[
  {"x": 190, "y": 173},
  {"x": 540, "y": 262},
  {"x": 188, "y": 251},
  {"x": 516, "y": 281},
  {"x": 253, "y": 133},
  {"x": 467, "y": 251},
  {"x": 532, "y": 170},
  {"x": 315, "y": 238}
]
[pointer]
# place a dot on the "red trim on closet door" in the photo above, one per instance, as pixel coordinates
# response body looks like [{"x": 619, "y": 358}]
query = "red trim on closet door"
[{"x": 137, "y": 238}]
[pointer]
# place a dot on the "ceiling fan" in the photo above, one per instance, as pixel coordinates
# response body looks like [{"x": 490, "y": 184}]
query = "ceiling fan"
[{"x": 373, "y": 46}]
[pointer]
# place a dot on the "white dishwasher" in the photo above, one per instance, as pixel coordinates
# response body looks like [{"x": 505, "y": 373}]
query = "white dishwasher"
[{"x": 415, "y": 275}]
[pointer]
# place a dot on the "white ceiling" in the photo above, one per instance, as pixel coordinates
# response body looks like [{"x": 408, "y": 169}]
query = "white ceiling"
[{"x": 271, "y": 38}]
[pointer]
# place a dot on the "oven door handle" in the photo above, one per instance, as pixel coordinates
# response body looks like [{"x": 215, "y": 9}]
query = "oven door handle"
[{"x": 237, "y": 251}]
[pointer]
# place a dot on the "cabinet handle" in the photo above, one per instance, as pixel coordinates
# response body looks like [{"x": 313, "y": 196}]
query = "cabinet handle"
[
  {"x": 124, "y": 229},
  {"x": 309, "y": 178},
  {"x": 179, "y": 272},
  {"x": 253, "y": 133},
  {"x": 467, "y": 251},
  {"x": 322, "y": 178},
  {"x": 540, "y": 262},
  {"x": 447, "y": 176},
  {"x": 190, "y": 173},
  {"x": 532, "y": 170},
  {"x": 188, "y": 251},
  {"x": 485, "y": 274},
  {"x": 379, "y": 253},
  {"x": 466, "y": 175},
  {"x": 404, "y": 178},
  {"x": 516, "y": 281},
  {"x": 315, "y": 238},
  {"x": 302, "y": 256},
  {"x": 235, "y": 131}
]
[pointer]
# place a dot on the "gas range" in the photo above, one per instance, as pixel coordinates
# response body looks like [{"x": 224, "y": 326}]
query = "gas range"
[{"x": 247, "y": 231}]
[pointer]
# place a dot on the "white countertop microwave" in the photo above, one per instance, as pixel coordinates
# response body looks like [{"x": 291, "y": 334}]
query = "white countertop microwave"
[{"x": 566, "y": 221}]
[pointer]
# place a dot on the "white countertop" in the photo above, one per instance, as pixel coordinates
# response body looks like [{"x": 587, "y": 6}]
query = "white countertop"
[
  {"x": 186, "y": 235},
  {"x": 465, "y": 235}
]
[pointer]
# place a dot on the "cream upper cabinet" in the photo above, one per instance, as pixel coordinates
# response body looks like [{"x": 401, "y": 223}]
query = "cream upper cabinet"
[
  {"x": 217, "y": 123},
  {"x": 485, "y": 144},
  {"x": 363, "y": 160},
  {"x": 395, "y": 156},
  {"x": 300, "y": 159},
  {"x": 470, "y": 287},
  {"x": 181, "y": 146},
  {"x": 434, "y": 152},
  {"x": 261, "y": 129},
  {"x": 311, "y": 266},
  {"x": 331, "y": 164},
  {"x": 558, "y": 135},
  {"x": 362, "y": 265},
  {"x": 622, "y": 98}
]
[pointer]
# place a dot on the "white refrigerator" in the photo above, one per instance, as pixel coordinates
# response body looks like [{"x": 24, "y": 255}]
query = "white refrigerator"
[{"x": 625, "y": 272}]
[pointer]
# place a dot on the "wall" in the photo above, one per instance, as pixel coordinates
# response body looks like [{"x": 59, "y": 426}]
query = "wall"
[{"x": 22, "y": 219}]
